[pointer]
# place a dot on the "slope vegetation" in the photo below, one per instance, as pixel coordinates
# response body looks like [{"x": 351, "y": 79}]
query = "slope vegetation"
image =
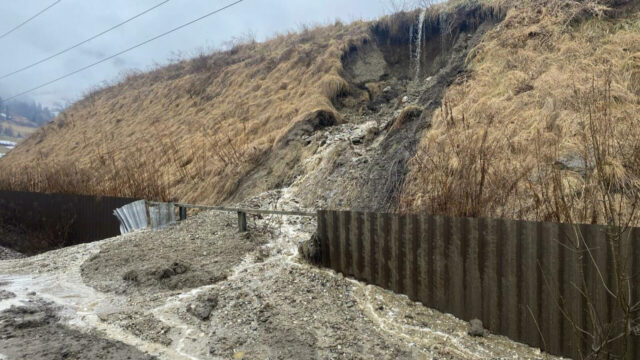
[
  {"x": 544, "y": 125},
  {"x": 189, "y": 130},
  {"x": 523, "y": 109}
]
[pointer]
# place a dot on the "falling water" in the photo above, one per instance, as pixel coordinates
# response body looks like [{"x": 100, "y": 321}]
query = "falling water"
[
  {"x": 411, "y": 42},
  {"x": 419, "y": 42}
]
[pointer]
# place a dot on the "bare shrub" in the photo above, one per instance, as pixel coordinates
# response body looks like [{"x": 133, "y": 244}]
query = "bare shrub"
[{"x": 610, "y": 194}]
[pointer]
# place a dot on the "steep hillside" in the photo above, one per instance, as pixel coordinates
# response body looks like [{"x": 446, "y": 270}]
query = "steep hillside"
[
  {"x": 525, "y": 109},
  {"x": 190, "y": 130},
  {"x": 545, "y": 123}
]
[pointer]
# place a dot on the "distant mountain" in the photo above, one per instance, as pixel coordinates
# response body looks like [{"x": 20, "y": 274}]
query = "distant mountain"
[{"x": 19, "y": 111}]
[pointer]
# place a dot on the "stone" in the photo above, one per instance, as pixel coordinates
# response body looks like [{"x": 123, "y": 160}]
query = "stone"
[
  {"x": 475, "y": 328},
  {"x": 572, "y": 162},
  {"x": 4, "y": 294},
  {"x": 179, "y": 268},
  {"x": 310, "y": 250},
  {"x": 203, "y": 306},
  {"x": 130, "y": 275},
  {"x": 357, "y": 138},
  {"x": 165, "y": 274}
]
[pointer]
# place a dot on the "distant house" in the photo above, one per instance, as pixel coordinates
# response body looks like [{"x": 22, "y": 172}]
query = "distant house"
[{"x": 8, "y": 144}]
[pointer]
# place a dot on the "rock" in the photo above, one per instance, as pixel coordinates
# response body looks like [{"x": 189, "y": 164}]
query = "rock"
[
  {"x": 165, "y": 273},
  {"x": 130, "y": 275},
  {"x": 357, "y": 138},
  {"x": 572, "y": 162},
  {"x": 179, "y": 268},
  {"x": 203, "y": 306},
  {"x": 405, "y": 99},
  {"x": 476, "y": 328},
  {"x": 4, "y": 295},
  {"x": 310, "y": 250},
  {"x": 384, "y": 97}
]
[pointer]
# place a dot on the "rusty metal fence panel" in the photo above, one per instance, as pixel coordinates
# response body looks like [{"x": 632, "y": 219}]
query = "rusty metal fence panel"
[
  {"x": 522, "y": 279},
  {"x": 85, "y": 218}
]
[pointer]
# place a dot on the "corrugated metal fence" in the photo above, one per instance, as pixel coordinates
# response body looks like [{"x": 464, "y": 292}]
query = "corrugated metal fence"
[
  {"x": 517, "y": 277},
  {"x": 85, "y": 218}
]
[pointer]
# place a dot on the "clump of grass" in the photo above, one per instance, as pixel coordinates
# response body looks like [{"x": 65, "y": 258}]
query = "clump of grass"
[{"x": 409, "y": 113}]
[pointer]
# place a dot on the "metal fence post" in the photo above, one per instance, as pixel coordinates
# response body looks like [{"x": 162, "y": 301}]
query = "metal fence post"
[
  {"x": 182, "y": 213},
  {"x": 242, "y": 221}
]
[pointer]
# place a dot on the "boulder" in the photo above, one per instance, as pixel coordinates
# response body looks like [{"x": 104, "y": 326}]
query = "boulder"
[
  {"x": 310, "y": 250},
  {"x": 476, "y": 328},
  {"x": 203, "y": 306}
]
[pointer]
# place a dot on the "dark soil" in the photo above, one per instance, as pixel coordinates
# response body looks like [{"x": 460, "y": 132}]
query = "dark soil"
[{"x": 33, "y": 332}]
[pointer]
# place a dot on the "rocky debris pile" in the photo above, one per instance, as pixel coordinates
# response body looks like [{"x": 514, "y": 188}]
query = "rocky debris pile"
[
  {"x": 198, "y": 251},
  {"x": 296, "y": 313},
  {"x": 8, "y": 254},
  {"x": 202, "y": 307}
]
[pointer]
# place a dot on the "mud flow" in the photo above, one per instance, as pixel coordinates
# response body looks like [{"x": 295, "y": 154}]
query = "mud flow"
[{"x": 200, "y": 290}]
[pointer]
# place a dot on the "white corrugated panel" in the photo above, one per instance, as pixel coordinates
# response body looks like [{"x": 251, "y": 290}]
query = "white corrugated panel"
[{"x": 132, "y": 217}]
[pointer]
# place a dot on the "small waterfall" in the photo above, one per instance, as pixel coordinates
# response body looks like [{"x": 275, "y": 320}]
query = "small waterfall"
[
  {"x": 423, "y": 15},
  {"x": 411, "y": 42}
]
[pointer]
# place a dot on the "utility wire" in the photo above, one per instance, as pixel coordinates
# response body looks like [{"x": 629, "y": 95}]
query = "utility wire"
[
  {"x": 126, "y": 50},
  {"x": 82, "y": 42},
  {"x": 29, "y": 19}
]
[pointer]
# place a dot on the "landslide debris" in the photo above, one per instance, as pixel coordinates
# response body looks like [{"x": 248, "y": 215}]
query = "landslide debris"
[
  {"x": 199, "y": 251},
  {"x": 33, "y": 332}
]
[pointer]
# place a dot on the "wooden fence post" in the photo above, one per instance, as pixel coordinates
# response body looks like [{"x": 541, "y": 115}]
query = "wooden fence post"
[{"x": 242, "y": 221}]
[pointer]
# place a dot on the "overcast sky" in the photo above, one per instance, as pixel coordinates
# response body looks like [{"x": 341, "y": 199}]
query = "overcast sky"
[{"x": 72, "y": 21}]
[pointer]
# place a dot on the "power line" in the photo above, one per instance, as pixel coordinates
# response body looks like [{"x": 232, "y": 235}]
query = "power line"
[
  {"x": 82, "y": 42},
  {"x": 29, "y": 19},
  {"x": 126, "y": 50}
]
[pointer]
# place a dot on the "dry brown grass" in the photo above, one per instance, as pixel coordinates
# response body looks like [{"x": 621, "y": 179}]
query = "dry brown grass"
[
  {"x": 190, "y": 130},
  {"x": 536, "y": 82}
]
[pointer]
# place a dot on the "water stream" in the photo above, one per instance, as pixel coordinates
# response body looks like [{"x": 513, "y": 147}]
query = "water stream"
[{"x": 418, "y": 58}]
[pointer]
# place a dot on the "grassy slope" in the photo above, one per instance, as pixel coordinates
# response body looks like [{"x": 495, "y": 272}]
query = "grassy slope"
[
  {"x": 190, "y": 130},
  {"x": 193, "y": 129},
  {"x": 550, "y": 83}
]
